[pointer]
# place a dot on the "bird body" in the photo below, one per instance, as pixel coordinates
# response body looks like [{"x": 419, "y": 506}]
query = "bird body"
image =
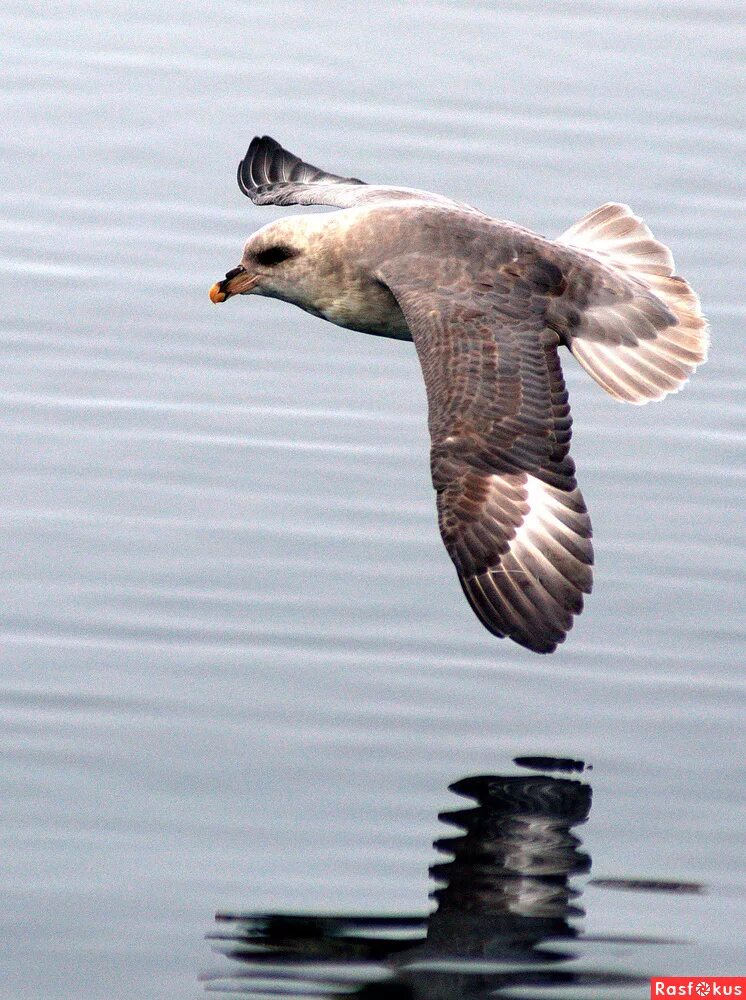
[{"x": 487, "y": 304}]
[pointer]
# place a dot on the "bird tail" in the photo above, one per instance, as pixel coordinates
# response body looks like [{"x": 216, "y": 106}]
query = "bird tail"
[{"x": 642, "y": 340}]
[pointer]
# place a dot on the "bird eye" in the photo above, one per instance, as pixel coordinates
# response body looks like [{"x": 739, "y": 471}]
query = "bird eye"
[{"x": 274, "y": 255}]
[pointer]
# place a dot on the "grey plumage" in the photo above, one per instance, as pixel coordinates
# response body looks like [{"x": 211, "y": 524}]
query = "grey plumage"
[
  {"x": 487, "y": 305},
  {"x": 270, "y": 175},
  {"x": 270, "y": 172}
]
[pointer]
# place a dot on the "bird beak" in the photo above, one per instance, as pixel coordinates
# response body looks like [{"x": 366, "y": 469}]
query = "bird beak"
[{"x": 236, "y": 282}]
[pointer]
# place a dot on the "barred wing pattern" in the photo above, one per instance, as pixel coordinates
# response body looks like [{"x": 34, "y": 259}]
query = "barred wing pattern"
[{"x": 510, "y": 513}]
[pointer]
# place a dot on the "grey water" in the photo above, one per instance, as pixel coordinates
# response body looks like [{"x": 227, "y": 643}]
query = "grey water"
[{"x": 237, "y": 673}]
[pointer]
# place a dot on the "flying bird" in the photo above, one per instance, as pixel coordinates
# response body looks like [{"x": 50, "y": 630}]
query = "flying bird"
[{"x": 487, "y": 304}]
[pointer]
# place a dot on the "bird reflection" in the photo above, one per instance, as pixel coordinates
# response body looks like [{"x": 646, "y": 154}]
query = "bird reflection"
[{"x": 504, "y": 914}]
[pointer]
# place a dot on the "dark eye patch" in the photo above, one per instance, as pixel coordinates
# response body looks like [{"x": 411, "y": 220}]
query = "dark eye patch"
[{"x": 275, "y": 255}]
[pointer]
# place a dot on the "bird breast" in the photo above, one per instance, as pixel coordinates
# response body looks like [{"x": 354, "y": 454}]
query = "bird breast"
[{"x": 366, "y": 305}]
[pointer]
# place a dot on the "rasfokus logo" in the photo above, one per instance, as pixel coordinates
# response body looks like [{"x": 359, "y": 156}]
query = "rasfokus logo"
[{"x": 698, "y": 986}]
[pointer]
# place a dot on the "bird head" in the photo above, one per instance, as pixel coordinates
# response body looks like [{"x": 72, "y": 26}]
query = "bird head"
[{"x": 282, "y": 260}]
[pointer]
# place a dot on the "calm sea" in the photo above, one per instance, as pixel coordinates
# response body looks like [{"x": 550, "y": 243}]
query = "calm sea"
[{"x": 237, "y": 673}]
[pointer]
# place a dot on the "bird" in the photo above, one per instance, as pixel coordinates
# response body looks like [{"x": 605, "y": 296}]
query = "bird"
[{"x": 487, "y": 304}]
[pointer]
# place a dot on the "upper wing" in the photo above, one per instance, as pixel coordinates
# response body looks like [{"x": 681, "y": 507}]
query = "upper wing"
[
  {"x": 511, "y": 515},
  {"x": 271, "y": 175}
]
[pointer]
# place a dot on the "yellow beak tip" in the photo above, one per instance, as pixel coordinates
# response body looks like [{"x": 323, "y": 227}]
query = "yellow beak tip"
[{"x": 217, "y": 294}]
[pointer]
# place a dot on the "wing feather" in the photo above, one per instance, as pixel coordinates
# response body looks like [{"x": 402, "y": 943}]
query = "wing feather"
[
  {"x": 272, "y": 175},
  {"x": 510, "y": 513}
]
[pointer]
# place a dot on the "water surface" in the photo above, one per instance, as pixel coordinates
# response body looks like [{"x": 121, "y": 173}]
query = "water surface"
[{"x": 238, "y": 674}]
